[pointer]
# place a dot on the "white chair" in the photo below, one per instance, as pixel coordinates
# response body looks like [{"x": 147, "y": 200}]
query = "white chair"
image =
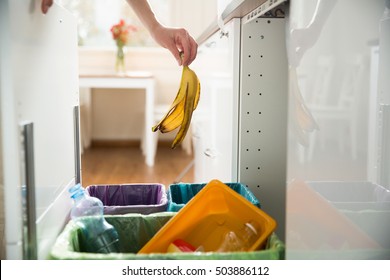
[{"x": 337, "y": 112}]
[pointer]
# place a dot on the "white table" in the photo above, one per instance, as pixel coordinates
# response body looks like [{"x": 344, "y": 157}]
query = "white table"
[{"x": 130, "y": 80}]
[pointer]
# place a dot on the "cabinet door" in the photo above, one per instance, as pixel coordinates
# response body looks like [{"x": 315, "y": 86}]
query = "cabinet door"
[
  {"x": 215, "y": 120},
  {"x": 339, "y": 130},
  {"x": 39, "y": 84}
]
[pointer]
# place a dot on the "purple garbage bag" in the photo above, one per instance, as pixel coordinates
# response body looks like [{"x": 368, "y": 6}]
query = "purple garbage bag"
[{"x": 130, "y": 198}]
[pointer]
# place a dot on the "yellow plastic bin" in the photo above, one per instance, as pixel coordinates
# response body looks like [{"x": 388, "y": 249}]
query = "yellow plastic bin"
[
  {"x": 206, "y": 220},
  {"x": 135, "y": 230}
]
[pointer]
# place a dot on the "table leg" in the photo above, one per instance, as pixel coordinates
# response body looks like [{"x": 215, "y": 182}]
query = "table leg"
[{"x": 149, "y": 147}]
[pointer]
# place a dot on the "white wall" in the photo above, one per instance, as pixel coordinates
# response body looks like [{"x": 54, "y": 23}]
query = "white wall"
[
  {"x": 195, "y": 16},
  {"x": 117, "y": 114}
]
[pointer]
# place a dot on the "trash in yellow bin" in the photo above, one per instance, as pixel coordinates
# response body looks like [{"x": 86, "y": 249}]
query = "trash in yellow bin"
[
  {"x": 215, "y": 213},
  {"x": 180, "y": 245}
]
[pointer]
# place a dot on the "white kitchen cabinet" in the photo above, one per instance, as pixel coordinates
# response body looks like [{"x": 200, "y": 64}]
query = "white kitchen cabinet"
[
  {"x": 338, "y": 196},
  {"x": 263, "y": 95},
  {"x": 215, "y": 121},
  {"x": 240, "y": 127},
  {"x": 39, "y": 95},
  {"x": 328, "y": 190},
  {"x": 319, "y": 163}
]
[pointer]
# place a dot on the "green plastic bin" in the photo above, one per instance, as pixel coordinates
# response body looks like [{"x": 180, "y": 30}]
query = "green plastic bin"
[
  {"x": 135, "y": 230},
  {"x": 179, "y": 194}
]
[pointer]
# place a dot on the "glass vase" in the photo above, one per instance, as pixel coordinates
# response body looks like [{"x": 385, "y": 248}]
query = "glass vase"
[{"x": 120, "y": 60}]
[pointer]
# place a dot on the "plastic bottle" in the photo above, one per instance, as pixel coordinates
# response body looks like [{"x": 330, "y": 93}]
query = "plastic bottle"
[
  {"x": 249, "y": 234},
  {"x": 97, "y": 235},
  {"x": 242, "y": 240}
]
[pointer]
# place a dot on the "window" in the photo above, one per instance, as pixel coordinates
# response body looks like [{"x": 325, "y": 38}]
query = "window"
[{"x": 95, "y": 18}]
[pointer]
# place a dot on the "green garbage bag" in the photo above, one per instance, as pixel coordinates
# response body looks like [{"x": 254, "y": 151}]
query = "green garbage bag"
[
  {"x": 181, "y": 193},
  {"x": 135, "y": 230}
]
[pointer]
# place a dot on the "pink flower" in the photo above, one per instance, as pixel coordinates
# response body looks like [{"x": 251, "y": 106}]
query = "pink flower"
[{"x": 120, "y": 32}]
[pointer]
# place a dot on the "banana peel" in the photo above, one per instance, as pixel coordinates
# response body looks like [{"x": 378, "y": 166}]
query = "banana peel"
[{"x": 180, "y": 112}]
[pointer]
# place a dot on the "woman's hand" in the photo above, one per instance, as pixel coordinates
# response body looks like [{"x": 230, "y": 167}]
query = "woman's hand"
[{"x": 176, "y": 40}]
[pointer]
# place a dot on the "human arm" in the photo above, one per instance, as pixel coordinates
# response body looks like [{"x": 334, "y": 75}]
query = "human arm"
[{"x": 176, "y": 40}]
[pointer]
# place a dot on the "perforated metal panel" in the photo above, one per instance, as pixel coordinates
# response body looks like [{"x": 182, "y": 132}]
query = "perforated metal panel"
[{"x": 263, "y": 114}]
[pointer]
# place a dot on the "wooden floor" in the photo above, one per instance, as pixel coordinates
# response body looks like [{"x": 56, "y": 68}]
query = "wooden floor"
[{"x": 121, "y": 165}]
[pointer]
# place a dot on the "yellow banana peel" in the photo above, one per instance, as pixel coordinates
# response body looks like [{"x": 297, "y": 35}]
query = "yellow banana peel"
[{"x": 182, "y": 107}]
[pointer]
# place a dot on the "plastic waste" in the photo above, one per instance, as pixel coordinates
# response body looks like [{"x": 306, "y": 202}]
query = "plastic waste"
[
  {"x": 97, "y": 235},
  {"x": 179, "y": 246},
  {"x": 241, "y": 240}
]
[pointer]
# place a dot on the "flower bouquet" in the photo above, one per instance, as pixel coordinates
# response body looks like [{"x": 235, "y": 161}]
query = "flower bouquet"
[{"x": 120, "y": 33}]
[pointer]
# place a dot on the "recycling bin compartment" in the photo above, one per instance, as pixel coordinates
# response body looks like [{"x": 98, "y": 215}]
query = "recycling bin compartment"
[
  {"x": 130, "y": 198},
  {"x": 215, "y": 213},
  {"x": 180, "y": 194},
  {"x": 135, "y": 230}
]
